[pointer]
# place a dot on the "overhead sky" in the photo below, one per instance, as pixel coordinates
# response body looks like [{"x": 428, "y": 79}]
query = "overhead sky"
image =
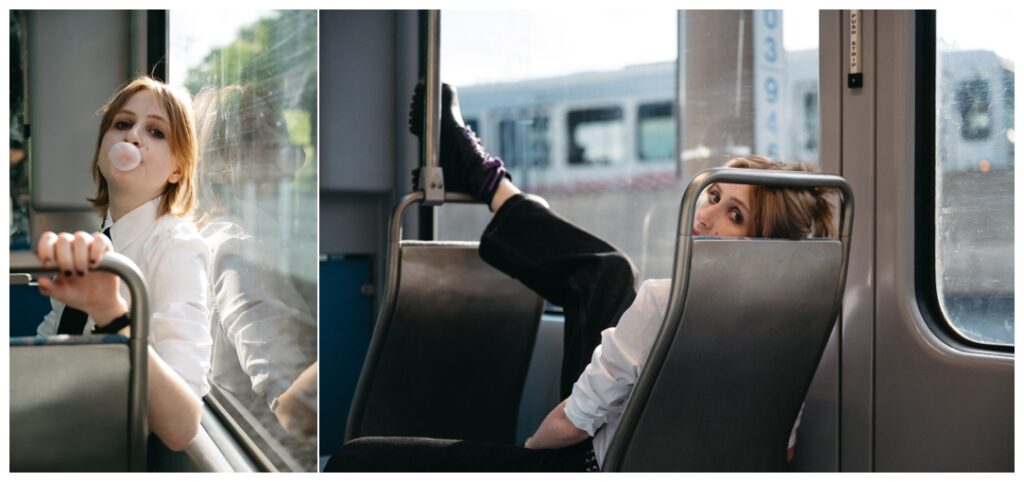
[{"x": 490, "y": 46}]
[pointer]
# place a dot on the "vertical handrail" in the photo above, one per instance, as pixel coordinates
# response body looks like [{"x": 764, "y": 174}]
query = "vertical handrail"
[
  {"x": 138, "y": 346},
  {"x": 431, "y": 176}
]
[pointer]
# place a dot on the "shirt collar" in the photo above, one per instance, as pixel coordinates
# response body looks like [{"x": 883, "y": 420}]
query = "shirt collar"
[{"x": 127, "y": 229}]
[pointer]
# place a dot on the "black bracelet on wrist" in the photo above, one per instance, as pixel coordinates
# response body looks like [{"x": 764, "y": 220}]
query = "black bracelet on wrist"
[{"x": 113, "y": 327}]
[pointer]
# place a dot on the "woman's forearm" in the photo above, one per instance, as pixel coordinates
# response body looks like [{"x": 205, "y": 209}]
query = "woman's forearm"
[
  {"x": 174, "y": 411},
  {"x": 556, "y": 431}
]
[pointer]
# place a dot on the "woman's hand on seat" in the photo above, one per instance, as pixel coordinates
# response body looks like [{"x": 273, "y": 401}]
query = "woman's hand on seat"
[{"x": 77, "y": 283}]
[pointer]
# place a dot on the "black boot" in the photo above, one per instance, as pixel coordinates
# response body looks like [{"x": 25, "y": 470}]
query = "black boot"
[{"x": 467, "y": 166}]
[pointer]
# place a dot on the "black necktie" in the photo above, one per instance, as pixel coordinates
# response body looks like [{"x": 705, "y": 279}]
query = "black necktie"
[{"x": 72, "y": 320}]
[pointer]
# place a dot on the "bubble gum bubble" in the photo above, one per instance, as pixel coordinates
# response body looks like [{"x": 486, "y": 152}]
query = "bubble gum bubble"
[{"x": 125, "y": 156}]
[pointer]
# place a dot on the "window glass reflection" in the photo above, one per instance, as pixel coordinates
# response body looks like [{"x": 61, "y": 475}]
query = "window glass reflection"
[
  {"x": 20, "y": 225},
  {"x": 255, "y": 102}
]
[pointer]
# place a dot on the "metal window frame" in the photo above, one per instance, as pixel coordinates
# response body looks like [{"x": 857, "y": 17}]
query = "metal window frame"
[{"x": 924, "y": 198}]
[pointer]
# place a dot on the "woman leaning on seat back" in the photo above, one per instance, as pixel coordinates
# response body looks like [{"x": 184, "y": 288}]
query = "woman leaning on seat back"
[{"x": 789, "y": 213}]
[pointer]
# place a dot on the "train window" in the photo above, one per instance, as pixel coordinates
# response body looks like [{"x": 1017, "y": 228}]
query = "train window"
[
  {"x": 596, "y": 136},
  {"x": 523, "y": 143},
  {"x": 607, "y": 82},
  {"x": 20, "y": 222},
  {"x": 809, "y": 113},
  {"x": 974, "y": 187},
  {"x": 655, "y": 132},
  {"x": 473, "y": 124},
  {"x": 971, "y": 101},
  {"x": 253, "y": 78}
]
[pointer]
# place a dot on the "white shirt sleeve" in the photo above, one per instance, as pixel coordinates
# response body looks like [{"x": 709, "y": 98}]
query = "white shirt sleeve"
[
  {"x": 264, "y": 318},
  {"x": 51, "y": 322},
  {"x": 603, "y": 388},
  {"x": 179, "y": 324}
]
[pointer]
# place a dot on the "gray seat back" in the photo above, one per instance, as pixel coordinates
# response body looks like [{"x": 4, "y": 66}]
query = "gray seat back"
[
  {"x": 450, "y": 350},
  {"x": 78, "y": 403},
  {"x": 747, "y": 322},
  {"x": 69, "y": 404}
]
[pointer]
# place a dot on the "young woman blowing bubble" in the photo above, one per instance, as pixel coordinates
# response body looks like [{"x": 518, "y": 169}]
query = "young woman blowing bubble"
[{"x": 144, "y": 167}]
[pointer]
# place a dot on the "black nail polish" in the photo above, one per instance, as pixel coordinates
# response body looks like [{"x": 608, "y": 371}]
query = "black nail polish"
[
  {"x": 81, "y": 273},
  {"x": 67, "y": 273}
]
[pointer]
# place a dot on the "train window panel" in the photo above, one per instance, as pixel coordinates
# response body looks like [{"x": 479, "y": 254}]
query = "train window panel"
[
  {"x": 596, "y": 136},
  {"x": 20, "y": 223},
  {"x": 253, "y": 78},
  {"x": 972, "y": 104},
  {"x": 606, "y": 81},
  {"x": 656, "y": 132},
  {"x": 473, "y": 124},
  {"x": 809, "y": 113},
  {"x": 523, "y": 143},
  {"x": 974, "y": 186}
]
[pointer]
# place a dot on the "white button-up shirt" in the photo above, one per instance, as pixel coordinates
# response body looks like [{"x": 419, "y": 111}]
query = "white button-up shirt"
[
  {"x": 599, "y": 397},
  {"x": 174, "y": 260}
]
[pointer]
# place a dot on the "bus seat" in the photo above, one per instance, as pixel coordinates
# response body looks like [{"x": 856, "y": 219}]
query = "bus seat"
[
  {"x": 78, "y": 402},
  {"x": 72, "y": 389},
  {"x": 451, "y": 348},
  {"x": 746, "y": 325}
]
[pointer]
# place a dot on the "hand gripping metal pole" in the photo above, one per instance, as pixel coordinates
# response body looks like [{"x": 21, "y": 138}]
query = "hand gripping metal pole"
[
  {"x": 431, "y": 176},
  {"x": 138, "y": 345}
]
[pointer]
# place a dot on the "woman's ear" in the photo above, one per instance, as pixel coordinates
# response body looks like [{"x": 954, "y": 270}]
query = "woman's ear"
[{"x": 175, "y": 176}]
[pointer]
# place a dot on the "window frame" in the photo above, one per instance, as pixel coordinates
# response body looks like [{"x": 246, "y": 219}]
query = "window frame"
[
  {"x": 654, "y": 105},
  {"x": 925, "y": 205},
  {"x": 570, "y": 127}
]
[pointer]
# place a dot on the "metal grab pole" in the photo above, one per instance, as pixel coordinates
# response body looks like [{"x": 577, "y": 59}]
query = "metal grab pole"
[{"x": 431, "y": 176}]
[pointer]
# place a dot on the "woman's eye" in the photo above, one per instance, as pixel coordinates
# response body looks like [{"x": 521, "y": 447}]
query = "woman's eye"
[
  {"x": 122, "y": 125},
  {"x": 736, "y": 216},
  {"x": 714, "y": 197},
  {"x": 157, "y": 133}
]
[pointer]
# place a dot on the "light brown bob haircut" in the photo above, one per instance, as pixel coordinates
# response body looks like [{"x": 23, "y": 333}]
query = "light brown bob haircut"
[
  {"x": 790, "y": 213},
  {"x": 179, "y": 198}
]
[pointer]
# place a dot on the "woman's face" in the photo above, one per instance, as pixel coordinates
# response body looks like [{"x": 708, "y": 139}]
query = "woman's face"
[
  {"x": 143, "y": 122},
  {"x": 724, "y": 211}
]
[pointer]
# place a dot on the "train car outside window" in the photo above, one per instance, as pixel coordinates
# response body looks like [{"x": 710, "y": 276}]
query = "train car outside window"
[
  {"x": 253, "y": 78},
  {"x": 972, "y": 104},
  {"x": 974, "y": 175},
  {"x": 656, "y": 132},
  {"x": 596, "y": 136},
  {"x": 606, "y": 82},
  {"x": 523, "y": 143},
  {"x": 473, "y": 124},
  {"x": 810, "y": 131}
]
